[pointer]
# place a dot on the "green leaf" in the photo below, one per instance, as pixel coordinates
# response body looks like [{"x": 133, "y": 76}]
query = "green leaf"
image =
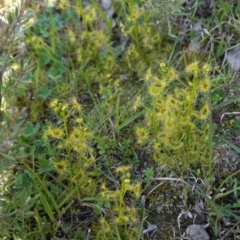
[
  {"x": 29, "y": 214},
  {"x": 236, "y": 205},
  {"x": 107, "y": 204},
  {"x": 96, "y": 210},
  {"x": 43, "y": 185},
  {"x": 230, "y": 144},
  {"x": 18, "y": 179},
  {"x": 44, "y": 58},
  {"x": 44, "y": 92},
  {"x": 11, "y": 158},
  {"x": 149, "y": 173},
  {"x": 226, "y": 103},
  {"x": 30, "y": 130},
  {"x": 17, "y": 129},
  {"x": 29, "y": 173},
  {"x": 47, "y": 207},
  {"x": 131, "y": 119}
]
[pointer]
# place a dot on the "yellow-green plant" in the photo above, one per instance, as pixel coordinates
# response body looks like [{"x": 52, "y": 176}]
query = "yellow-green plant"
[
  {"x": 72, "y": 139},
  {"x": 124, "y": 221},
  {"x": 176, "y": 125}
]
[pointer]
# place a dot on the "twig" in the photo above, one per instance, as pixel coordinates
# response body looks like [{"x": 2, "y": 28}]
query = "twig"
[
  {"x": 171, "y": 179},
  {"x": 228, "y": 113}
]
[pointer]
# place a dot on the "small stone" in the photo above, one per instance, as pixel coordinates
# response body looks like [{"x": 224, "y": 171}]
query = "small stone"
[
  {"x": 196, "y": 232},
  {"x": 233, "y": 58}
]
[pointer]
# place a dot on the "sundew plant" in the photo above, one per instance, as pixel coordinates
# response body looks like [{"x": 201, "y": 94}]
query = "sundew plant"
[{"x": 176, "y": 122}]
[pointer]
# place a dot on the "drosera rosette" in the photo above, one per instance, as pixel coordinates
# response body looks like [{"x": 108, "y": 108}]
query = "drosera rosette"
[
  {"x": 205, "y": 85},
  {"x": 142, "y": 134},
  {"x": 54, "y": 133},
  {"x": 61, "y": 167}
]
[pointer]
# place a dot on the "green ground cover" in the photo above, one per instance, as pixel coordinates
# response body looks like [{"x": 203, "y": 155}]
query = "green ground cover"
[{"x": 119, "y": 119}]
